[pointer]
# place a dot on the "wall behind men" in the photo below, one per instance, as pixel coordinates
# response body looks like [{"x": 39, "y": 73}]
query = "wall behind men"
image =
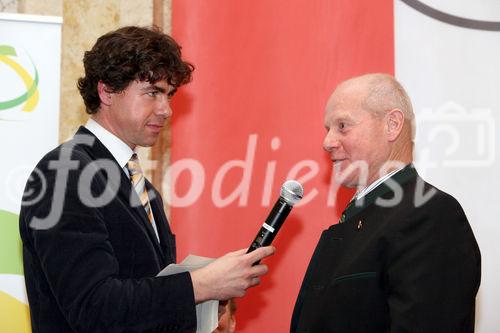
[
  {"x": 450, "y": 67},
  {"x": 244, "y": 103},
  {"x": 253, "y": 117}
]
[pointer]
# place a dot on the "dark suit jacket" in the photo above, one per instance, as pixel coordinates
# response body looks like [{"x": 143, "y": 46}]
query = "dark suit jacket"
[
  {"x": 94, "y": 270},
  {"x": 413, "y": 267}
]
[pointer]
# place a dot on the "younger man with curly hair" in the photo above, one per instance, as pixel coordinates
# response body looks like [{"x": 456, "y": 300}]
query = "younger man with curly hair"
[{"x": 94, "y": 231}]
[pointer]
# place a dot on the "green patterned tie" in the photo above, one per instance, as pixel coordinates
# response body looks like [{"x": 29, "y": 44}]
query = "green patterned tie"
[{"x": 137, "y": 180}]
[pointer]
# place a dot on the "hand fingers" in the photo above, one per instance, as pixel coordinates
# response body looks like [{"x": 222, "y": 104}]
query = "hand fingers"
[
  {"x": 257, "y": 254},
  {"x": 254, "y": 281},
  {"x": 261, "y": 253},
  {"x": 239, "y": 252},
  {"x": 258, "y": 270}
]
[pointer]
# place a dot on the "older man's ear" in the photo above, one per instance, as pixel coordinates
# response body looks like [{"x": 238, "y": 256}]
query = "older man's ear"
[{"x": 395, "y": 120}]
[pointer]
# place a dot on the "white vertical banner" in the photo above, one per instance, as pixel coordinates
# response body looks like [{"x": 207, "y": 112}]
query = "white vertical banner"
[
  {"x": 447, "y": 56},
  {"x": 30, "y": 53}
]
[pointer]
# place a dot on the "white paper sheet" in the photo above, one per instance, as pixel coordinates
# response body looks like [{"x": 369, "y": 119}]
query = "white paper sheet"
[{"x": 207, "y": 317}]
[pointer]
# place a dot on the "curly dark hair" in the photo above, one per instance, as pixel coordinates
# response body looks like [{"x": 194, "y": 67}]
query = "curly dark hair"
[{"x": 128, "y": 54}]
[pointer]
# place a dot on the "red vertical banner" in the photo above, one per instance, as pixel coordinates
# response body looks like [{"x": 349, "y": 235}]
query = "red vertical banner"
[{"x": 253, "y": 117}]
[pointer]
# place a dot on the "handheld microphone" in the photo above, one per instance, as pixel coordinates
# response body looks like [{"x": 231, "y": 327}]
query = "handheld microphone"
[{"x": 291, "y": 193}]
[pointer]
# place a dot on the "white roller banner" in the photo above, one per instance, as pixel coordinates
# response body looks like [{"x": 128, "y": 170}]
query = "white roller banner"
[
  {"x": 448, "y": 57},
  {"x": 30, "y": 53}
]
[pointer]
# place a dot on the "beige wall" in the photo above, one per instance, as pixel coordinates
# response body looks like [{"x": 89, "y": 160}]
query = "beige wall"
[
  {"x": 45, "y": 7},
  {"x": 83, "y": 22}
]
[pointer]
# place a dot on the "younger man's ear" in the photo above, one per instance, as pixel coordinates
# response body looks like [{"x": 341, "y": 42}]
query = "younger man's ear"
[
  {"x": 395, "y": 121},
  {"x": 104, "y": 93}
]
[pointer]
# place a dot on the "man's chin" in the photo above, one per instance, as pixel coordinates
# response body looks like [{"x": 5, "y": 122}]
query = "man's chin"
[
  {"x": 150, "y": 141},
  {"x": 349, "y": 183},
  {"x": 346, "y": 176},
  {"x": 340, "y": 166}
]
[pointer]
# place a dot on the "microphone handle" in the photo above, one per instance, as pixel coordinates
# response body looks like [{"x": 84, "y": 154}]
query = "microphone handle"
[{"x": 271, "y": 226}]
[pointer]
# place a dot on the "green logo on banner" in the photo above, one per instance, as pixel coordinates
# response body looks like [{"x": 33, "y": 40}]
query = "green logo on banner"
[
  {"x": 30, "y": 96},
  {"x": 10, "y": 244},
  {"x": 14, "y": 314}
]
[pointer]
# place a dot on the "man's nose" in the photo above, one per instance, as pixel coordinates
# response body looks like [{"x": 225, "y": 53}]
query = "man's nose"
[
  {"x": 331, "y": 141},
  {"x": 163, "y": 109}
]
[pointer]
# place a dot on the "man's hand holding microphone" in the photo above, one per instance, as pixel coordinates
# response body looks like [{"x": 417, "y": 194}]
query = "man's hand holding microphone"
[{"x": 232, "y": 274}]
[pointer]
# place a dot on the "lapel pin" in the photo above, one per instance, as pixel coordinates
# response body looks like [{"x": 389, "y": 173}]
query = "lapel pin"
[{"x": 360, "y": 225}]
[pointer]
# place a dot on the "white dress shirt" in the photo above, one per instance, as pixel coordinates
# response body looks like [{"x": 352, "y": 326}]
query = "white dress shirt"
[{"x": 361, "y": 193}]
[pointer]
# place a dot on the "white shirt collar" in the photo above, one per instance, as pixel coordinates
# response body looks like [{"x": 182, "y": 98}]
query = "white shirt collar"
[
  {"x": 372, "y": 186},
  {"x": 119, "y": 149}
]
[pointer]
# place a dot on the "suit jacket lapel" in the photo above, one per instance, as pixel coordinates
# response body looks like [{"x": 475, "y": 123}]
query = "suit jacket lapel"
[
  {"x": 401, "y": 177},
  {"x": 167, "y": 242},
  {"x": 130, "y": 198}
]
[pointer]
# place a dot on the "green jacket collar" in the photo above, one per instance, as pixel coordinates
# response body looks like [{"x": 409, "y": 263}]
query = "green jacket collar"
[{"x": 356, "y": 206}]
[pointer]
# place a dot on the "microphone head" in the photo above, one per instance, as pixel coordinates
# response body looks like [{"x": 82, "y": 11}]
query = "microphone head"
[{"x": 292, "y": 192}]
